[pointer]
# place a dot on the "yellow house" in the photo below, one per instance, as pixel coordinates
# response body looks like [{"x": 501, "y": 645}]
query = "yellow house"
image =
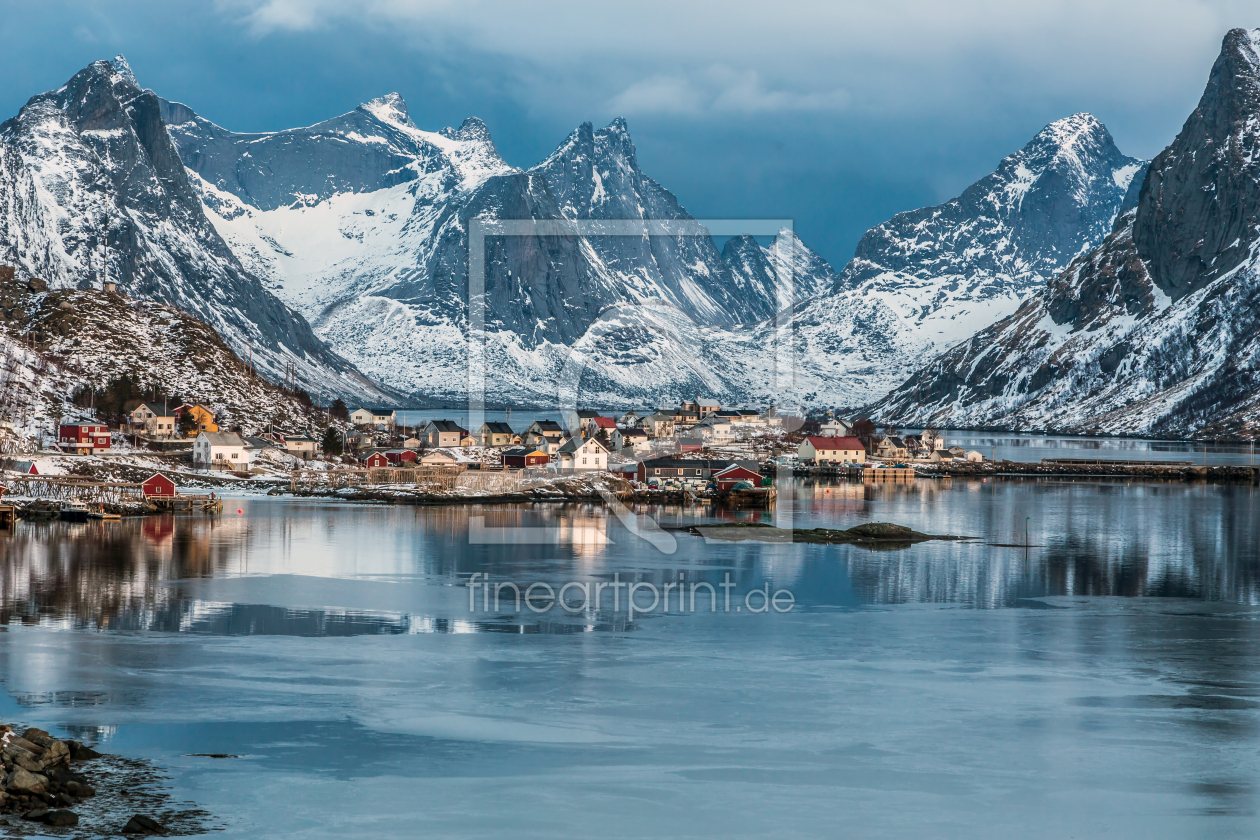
[{"x": 203, "y": 417}]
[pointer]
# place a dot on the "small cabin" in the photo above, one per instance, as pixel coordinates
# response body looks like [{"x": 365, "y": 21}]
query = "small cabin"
[
  {"x": 376, "y": 460},
  {"x": 526, "y": 456},
  {"x": 158, "y": 486},
  {"x": 24, "y": 467},
  {"x": 734, "y": 474},
  {"x": 399, "y": 457}
]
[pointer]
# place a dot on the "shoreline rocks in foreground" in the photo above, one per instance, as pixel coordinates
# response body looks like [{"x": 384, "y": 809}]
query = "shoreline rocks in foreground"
[{"x": 41, "y": 782}]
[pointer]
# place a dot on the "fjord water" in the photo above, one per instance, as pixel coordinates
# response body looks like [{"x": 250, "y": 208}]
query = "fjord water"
[{"x": 1102, "y": 680}]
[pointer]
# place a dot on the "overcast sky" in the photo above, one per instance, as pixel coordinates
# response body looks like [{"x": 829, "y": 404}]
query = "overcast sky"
[{"x": 835, "y": 114}]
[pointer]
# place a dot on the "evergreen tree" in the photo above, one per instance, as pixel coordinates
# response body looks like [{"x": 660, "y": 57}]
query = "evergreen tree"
[
  {"x": 331, "y": 442},
  {"x": 338, "y": 410}
]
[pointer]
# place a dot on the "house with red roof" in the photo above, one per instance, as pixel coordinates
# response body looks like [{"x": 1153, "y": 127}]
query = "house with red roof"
[
  {"x": 597, "y": 424},
  {"x": 832, "y": 450}
]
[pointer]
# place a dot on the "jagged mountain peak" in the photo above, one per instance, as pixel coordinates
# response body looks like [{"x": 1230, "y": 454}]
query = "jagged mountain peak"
[
  {"x": 1199, "y": 210},
  {"x": 123, "y": 69},
  {"x": 390, "y": 108},
  {"x": 1155, "y": 331}
]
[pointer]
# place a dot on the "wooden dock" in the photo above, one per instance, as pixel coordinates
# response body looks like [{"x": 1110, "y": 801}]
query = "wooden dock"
[
  {"x": 192, "y": 503},
  {"x": 899, "y": 475}
]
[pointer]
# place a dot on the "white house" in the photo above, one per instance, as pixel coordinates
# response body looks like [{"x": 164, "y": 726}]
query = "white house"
[
  {"x": 579, "y": 454},
  {"x": 221, "y": 451},
  {"x": 373, "y": 417},
  {"x": 631, "y": 440},
  {"x": 835, "y": 428},
  {"x": 714, "y": 429}
]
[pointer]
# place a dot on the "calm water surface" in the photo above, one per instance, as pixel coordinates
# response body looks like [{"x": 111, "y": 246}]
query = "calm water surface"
[{"x": 1103, "y": 680}]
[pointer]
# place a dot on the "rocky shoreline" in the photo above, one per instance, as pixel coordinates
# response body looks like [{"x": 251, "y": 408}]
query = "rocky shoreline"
[{"x": 48, "y": 782}]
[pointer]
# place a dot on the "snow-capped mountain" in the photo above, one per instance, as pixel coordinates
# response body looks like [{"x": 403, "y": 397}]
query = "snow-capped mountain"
[
  {"x": 928, "y": 278},
  {"x": 1157, "y": 331},
  {"x": 361, "y": 224},
  {"x": 88, "y": 173}
]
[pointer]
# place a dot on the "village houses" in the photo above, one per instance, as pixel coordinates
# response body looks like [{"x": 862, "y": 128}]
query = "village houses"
[
  {"x": 373, "y": 417},
  {"x": 443, "y": 433},
  {"x": 598, "y": 424},
  {"x": 83, "y": 438},
  {"x": 202, "y": 419},
  {"x": 580, "y": 454},
  {"x": 631, "y": 441},
  {"x": 154, "y": 418},
  {"x": 544, "y": 434},
  {"x": 221, "y": 451},
  {"x": 658, "y": 425},
  {"x": 832, "y": 450},
  {"x": 495, "y": 433}
]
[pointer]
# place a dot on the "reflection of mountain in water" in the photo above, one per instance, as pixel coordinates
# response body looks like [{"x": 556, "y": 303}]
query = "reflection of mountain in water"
[
  {"x": 1115, "y": 539},
  {"x": 1107, "y": 539}
]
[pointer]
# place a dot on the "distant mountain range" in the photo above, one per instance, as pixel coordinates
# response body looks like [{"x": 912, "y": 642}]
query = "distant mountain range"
[
  {"x": 1157, "y": 330},
  {"x": 358, "y": 226}
]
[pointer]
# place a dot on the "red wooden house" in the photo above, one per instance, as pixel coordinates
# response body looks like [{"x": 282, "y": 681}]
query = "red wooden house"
[
  {"x": 734, "y": 474},
  {"x": 84, "y": 438},
  {"x": 376, "y": 459},
  {"x": 400, "y": 457},
  {"x": 158, "y": 486}
]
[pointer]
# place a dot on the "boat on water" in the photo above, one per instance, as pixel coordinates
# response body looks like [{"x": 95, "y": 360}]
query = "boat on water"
[
  {"x": 75, "y": 511},
  {"x": 101, "y": 513}
]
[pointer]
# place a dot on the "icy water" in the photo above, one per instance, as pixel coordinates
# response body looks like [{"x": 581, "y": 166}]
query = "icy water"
[{"x": 1103, "y": 681}]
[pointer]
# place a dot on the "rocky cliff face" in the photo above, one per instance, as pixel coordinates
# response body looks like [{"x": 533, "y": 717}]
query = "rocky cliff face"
[
  {"x": 88, "y": 174},
  {"x": 1157, "y": 331}
]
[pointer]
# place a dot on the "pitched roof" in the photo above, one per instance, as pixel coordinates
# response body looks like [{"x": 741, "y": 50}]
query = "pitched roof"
[
  {"x": 546, "y": 426},
  {"x": 893, "y": 440},
  {"x": 496, "y": 427},
  {"x": 156, "y": 408},
  {"x": 707, "y": 403},
  {"x": 604, "y": 422},
  {"x": 574, "y": 444},
  {"x": 632, "y": 433},
  {"x": 223, "y": 438},
  {"x": 736, "y": 469},
  {"x": 523, "y": 451},
  {"x": 586, "y": 414},
  {"x": 827, "y": 443},
  {"x": 446, "y": 426}
]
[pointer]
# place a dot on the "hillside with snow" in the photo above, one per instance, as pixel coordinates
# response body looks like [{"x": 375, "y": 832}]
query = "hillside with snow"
[
  {"x": 1155, "y": 332},
  {"x": 54, "y": 343}
]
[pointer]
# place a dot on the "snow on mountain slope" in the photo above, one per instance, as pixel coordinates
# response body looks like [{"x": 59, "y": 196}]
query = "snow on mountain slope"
[
  {"x": 54, "y": 342},
  {"x": 929, "y": 278},
  {"x": 1157, "y": 331},
  {"x": 91, "y": 165},
  {"x": 374, "y": 253}
]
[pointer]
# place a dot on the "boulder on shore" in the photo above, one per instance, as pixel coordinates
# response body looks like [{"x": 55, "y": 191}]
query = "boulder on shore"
[
  {"x": 24, "y": 781},
  {"x": 140, "y": 824}
]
